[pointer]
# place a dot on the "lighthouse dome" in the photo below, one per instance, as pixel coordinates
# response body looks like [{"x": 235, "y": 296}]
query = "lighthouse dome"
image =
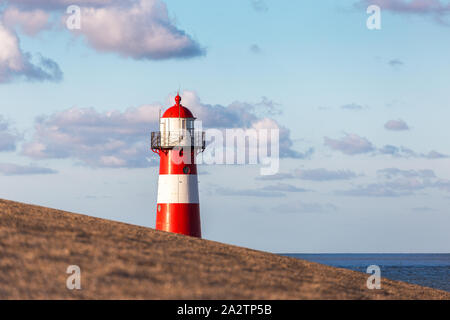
[{"x": 178, "y": 111}]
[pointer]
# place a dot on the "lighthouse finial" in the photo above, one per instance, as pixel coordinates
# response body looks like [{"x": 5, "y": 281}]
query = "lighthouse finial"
[{"x": 178, "y": 99}]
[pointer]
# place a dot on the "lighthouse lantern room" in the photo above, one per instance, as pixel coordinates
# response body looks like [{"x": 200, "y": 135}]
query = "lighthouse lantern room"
[{"x": 178, "y": 143}]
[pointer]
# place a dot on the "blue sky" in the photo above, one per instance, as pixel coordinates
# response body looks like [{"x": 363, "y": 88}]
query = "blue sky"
[{"x": 335, "y": 83}]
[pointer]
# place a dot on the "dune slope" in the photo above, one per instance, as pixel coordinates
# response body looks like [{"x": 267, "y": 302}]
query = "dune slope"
[{"x": 121, "y": 261}]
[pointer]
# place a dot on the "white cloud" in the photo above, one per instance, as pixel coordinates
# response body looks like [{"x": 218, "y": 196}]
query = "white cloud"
[
  {"x": 323, "y": 174},
  {"x": 394, "y": 182},
  {"x": 435, "y": 155},
  {"x": 241, "y": 115},
  {"x": 351, "y": 144},
  {"x": 396, "y": 125},
  {"x": 62, "y": 4},
  {"x": 373, "y": 190},
  {"x": 284, "y": 187},
  {"x": 236, "y": 115},
  {"x": 108, "y": 139},
  {"x": 395, "y": 172},
  {"x": 15, "y": 63},
  {"x": 273, "y": 191},
  {"x": 121, "y": 138},
  {"x": 404, "y": 152},
  {"x": 8, "y": 138},
  {"x": 10, "y": 169},
  {"x": 11, "y": 58},
  {"x": 142, "y": 30},
  {"x": 276, "y": 177},
  {"x": 138, "y": 29},
  {"x": 437, "y": 9},
  {"x": 249, "y": 193},
  {"x": 31, "y": 22}
]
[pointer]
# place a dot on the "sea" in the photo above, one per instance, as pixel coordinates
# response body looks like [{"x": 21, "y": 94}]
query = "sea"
[{"x": 429, "y": 270}]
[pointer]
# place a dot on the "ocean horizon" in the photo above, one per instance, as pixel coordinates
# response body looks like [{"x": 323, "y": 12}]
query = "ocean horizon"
[{"x": 425, "y": 269}]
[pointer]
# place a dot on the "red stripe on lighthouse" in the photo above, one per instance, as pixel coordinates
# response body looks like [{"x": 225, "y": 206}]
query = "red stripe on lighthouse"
[
  {"x": 182, "y": 218},
  {"x": 172, "y": 162}
]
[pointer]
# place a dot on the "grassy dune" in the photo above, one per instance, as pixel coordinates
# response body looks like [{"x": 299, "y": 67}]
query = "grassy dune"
[{"x": 121, "y": 261}]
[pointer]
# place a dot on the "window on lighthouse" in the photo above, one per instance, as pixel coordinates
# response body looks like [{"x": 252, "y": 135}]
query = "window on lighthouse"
[{"x": 190, "y": 124}]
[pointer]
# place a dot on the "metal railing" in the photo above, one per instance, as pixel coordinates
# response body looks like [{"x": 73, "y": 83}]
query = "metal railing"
[{"x": 173, "y": 139}]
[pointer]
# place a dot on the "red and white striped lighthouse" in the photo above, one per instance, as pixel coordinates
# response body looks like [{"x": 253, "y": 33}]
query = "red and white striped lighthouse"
[{"x": 177, "y": 143}]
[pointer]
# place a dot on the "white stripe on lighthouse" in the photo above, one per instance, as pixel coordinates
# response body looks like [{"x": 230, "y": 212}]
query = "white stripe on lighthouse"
[{"x": 178, "y": 188}]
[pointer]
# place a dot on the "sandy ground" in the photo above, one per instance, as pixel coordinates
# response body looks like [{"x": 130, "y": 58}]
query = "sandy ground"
[{"x": 121, "y": 261}]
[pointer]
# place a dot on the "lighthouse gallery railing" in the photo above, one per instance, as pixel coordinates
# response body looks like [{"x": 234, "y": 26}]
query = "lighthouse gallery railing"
[{"x": 172, "y": 139}]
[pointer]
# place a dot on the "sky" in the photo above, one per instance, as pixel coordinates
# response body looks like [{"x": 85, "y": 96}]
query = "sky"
[{"x": 362, "y": 113}]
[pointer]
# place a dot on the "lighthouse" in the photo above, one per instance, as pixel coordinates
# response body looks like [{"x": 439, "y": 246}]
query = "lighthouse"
[{"x": 178, "y": 143}]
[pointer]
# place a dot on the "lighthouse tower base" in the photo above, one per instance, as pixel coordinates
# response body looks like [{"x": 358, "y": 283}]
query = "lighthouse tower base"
[{"x": 182, "y": 218}]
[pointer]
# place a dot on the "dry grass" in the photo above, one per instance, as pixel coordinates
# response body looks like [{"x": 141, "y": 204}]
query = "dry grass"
[{"x": 121, "y": 261}]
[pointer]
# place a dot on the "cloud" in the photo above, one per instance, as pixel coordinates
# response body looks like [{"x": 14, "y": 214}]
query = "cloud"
[
  {"x": 411, "y": 6},
  {"x": 8, "y": 138},
  {"x": 396, "y": 151},
  {"x": 97, "y": 139},
  {"x": 31, "y": 22},
  {"x": 373, "y": 190},
  {"x": 403, "y": 152},
  {"x": 312, "y": 175},
  {"x": 260, "y": 5},
  {"x": 324, "y": 174},
  {"x": 137, "y": 29},
  {"x": 142, "y": 30},
  {"x": 63, "y": 4},
  {"x": 15, "y": 63},
  {"x": 436, "y": 8},
  {"x": 352, "y": 106},
  {"x": 396, "y": 125},
  {"x": 9, "y": 169},
  {"x": 351, "y": 144},
  {"x": 443, "y": 185},
  {"x": 395, "y": 63},
  {"x": 286, "y": 144},
  {"x": 235, "y": 115},
  {"x": 267, "y": 107},
  {"x": 273, "y": 191},
  {"x": 284, "y": 187},
  {"x": 254, "y": 48},
  {"x": 435, "y": 155},
  {"x": 277, "y": 176},
  {"x": 249, "y": 193},
  {"x": 306, "y": 207},
  {"x": 394, "y": 182},
  {"x": 242, "y": 115},
  {"x": 120, "y": 139},
  {"x": 395, "y": 172}
]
